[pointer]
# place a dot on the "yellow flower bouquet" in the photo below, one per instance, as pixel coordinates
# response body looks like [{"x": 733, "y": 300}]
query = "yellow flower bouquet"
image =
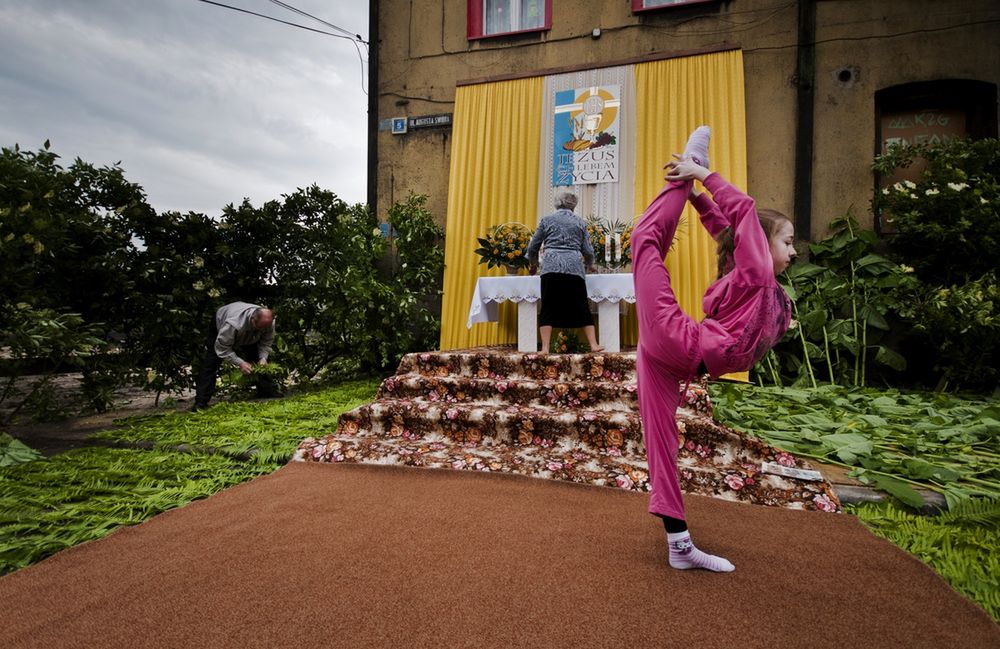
[{"x": 505, "y": 245}]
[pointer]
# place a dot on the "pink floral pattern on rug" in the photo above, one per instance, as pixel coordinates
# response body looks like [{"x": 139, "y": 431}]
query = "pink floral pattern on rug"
[{"x": 559, "y": 417}]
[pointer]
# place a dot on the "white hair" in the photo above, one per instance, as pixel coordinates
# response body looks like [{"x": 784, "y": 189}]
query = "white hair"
[{"x": 565, "y": 200}]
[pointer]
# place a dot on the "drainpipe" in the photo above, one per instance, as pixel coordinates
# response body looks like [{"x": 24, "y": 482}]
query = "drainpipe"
[
  {"x": 805, "y": 75},
  {"x": 373, "y": 49}
]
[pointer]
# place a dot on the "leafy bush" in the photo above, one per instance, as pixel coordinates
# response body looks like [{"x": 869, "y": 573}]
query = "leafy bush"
[
  {"x": 65, "y": 253},
  {"x": 41, "y": 343},
  {"x": 143, "y": 285},
  {"x": 947, "y": 228},
  {"x": 415, "y": 282},
  {"x": 946, "y": 224},
  {"x": 961, "y": 324},
  {"x": 846, "y": 302}
]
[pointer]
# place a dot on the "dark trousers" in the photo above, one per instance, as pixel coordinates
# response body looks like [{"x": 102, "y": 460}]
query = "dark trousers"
[{"x": 211, "y": 363}]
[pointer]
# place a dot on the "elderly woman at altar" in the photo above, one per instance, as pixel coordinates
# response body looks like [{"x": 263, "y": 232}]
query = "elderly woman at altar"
[{"x": 568, "y": 255}]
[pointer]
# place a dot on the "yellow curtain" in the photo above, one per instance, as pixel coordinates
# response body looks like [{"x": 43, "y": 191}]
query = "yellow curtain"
[
  {"x": 496, "y": 136},
  {"x": 672, "y": 98}
]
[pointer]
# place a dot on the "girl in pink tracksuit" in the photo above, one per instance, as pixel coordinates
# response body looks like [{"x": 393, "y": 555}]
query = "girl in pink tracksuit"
[{"x": 747, "y": 312}]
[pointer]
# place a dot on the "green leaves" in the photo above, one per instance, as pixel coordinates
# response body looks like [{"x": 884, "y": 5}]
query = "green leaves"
[
  {"x": 845, "y": 303},
  {"x": 895, "y": 440},
  {"x": 84, "y": 494},
  {"x": 271, "y": 429},
  {"x": 846, "y": 446},
  {"x": 50, "y": 504},
  {"x": 14, "y": 451}
]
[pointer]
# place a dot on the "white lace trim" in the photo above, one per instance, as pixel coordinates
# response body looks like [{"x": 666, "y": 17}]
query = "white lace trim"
[{"x": 490, "y": 291}]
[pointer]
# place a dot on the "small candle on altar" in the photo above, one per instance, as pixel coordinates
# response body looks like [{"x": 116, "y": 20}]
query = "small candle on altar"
[{"x": 618, "y": 247}]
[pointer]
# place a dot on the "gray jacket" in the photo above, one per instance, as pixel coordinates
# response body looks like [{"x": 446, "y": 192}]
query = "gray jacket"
[
  {"x": 236, "y": 330},
  {"x": 567, "y": 244}
]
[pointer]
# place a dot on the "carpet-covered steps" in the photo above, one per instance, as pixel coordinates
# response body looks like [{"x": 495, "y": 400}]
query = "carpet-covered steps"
[
  {"x": 490, "y": 363},
  {"x": 577, "y": 394},
  {"x": 566, "y": 417},
  {"x": 504, "y": 423}
]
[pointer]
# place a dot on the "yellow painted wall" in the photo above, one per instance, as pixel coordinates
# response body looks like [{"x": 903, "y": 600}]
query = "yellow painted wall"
[{"x": 424, "y": 52}]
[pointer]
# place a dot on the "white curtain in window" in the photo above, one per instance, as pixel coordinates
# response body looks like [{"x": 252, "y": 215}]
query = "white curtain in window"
[
  {"x": 497, "y": 16},
  {"x": 501, "y": 16}
]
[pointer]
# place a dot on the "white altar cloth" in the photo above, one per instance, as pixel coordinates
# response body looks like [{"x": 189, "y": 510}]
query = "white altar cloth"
[{"x": 607, "y": 290}]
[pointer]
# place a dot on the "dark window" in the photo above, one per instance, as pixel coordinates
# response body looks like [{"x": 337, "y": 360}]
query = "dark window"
[{"x": 648, "y": 5}]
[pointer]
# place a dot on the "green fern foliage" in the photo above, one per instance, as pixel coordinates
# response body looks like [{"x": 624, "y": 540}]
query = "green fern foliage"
[{"x": 962, "y": 544}]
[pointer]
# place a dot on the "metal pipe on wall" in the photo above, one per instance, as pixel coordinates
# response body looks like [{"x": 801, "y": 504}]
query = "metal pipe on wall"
[{"x": 805, "y": 76}]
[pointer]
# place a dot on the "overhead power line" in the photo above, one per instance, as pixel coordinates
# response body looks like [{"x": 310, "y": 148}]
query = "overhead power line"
[
  {"x": 277, "y": 20},
  {"x": 285, "y": 5},
  {"x": 353, "y": 38}
]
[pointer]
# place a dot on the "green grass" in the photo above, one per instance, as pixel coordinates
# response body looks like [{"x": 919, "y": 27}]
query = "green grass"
[
  {"x": 962, "y": 545},
  {"x": 273, "y": 428},
  {"x": 55, "y": 503},
  {"x": 47, "y": 505}
]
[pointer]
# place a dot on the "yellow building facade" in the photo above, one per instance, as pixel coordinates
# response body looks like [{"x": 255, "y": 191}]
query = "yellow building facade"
[{"x": 800, "y": 96}]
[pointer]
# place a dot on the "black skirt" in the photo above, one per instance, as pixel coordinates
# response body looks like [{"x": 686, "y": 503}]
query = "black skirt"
[{"x": 564, "y": 301}]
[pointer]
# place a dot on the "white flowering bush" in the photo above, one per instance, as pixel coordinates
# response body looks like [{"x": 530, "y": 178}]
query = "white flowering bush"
[
  {"x": 946, "y": 224},
  {"x": 947, "y": 228}
]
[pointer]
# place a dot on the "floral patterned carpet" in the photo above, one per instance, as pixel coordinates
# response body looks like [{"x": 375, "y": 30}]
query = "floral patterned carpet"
[{"x": 570, "y": 417}]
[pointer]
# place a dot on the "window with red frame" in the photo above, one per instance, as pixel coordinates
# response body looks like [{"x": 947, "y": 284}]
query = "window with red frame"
[
  {"x": 498, "y": 17},
  {"x": 646, "y": 5}
]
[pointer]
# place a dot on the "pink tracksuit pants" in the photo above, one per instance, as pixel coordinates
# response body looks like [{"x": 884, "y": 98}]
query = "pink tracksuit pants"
[{"x": 669, "y": 346}]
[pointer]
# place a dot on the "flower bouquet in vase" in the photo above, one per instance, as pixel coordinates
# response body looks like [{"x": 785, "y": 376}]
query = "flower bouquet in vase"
[
  {"x": 598, "y": 238},
  {"x": 505, "y": 246}
]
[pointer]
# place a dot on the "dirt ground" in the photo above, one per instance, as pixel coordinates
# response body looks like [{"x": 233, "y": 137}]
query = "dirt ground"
[{"x": 63, "y": 434}]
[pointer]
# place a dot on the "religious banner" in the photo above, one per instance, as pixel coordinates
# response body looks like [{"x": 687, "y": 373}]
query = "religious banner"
[{"x": 585, "y": 136}]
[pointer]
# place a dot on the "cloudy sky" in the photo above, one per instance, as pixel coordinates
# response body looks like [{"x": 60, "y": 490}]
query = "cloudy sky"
[{"x": 202, "y": 105}]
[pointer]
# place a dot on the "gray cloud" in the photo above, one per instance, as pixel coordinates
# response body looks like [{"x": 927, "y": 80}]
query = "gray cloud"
[{"x": 202, "y": 105}]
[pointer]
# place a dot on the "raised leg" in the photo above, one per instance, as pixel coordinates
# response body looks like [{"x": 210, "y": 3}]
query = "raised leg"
[{"x": 669, "y": 335}]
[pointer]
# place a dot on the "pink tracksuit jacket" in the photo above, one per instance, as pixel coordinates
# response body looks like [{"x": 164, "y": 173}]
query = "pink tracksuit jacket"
[{"x": 747, "y": 312}]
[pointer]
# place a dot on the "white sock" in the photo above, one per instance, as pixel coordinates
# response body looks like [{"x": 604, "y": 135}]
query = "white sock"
[
  {"x": 697, "y": 145},
  {"x": 684, "y": 556}
]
